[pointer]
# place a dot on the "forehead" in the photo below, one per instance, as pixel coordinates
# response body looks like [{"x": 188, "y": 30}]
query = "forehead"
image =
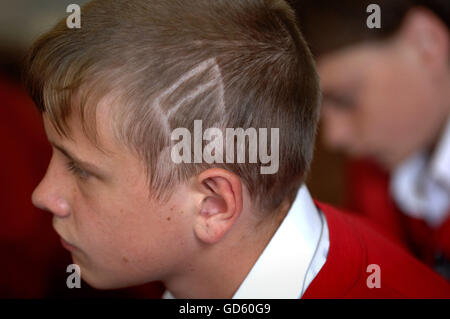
[
  {"x": 348, "y": 64},
  {"x": 104, "y": 145}
]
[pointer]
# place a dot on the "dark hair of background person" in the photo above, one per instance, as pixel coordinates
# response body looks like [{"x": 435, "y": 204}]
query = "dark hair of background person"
[{"x": 329, "y": 25}]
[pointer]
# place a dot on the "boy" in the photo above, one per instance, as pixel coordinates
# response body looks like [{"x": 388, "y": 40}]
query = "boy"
[
  {"x": 386, "y": 97},
  {"x": 117, "y": 97}
]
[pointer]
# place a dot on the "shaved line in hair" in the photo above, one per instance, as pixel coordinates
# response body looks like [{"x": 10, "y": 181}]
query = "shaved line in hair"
[{"x": 210, "y": 66}]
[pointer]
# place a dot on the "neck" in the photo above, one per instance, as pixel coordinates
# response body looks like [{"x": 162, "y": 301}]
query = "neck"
[{"x": 219, "y": 269}]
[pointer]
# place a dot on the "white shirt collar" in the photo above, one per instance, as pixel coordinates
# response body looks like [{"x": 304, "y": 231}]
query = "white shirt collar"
[
  {"x": 440, "y": 164},
  {"x": 293, "y": 257},
  {"x": 421, "y": 186}
]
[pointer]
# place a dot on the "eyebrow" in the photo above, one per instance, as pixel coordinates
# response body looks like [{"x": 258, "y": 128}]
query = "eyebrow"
[{"x": 91, "y": 168}]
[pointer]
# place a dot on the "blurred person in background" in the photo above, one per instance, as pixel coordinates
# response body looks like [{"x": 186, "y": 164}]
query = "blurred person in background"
[{"x": 386, "y": 102}]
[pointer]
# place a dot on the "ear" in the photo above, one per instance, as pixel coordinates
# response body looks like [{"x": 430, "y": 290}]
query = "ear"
[
  {"x": 428, "y": 36},
  {"x": 221, "y": 204}
]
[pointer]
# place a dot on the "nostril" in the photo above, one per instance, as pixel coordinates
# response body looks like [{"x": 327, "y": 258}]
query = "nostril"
[{"x": 62, "y": 207}]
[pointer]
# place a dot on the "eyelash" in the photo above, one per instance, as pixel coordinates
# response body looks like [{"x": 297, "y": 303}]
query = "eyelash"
[{"x": 76, "y": 170}]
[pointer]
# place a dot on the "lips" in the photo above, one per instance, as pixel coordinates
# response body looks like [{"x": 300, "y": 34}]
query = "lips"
[{"x": 67, "y": 245}]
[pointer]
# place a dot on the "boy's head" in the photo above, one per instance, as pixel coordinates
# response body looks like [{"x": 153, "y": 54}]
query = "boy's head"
[
  {"x": 386, "y": 90},
  {"x": 112, "y": 93}
]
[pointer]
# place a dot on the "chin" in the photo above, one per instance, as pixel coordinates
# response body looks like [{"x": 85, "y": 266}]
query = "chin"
[
  {"x": 385, "y": 162},
  {"x": 385, "y": 165},
  {"x": 391, "y": 164},
  {"x": 104, "y": 281}
]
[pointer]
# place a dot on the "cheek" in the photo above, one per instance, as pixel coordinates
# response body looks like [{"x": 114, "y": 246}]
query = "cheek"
[
  {"x": 119, "y": 241},
  {"x": 127, "y": 229},
  {"x": 387, "y": 105},
  {"x": 395, "y": 121},
  {"x": 99, "y": 221},
  {"x": 126, "y": 238},
  {"x": 113, "y": 223}
]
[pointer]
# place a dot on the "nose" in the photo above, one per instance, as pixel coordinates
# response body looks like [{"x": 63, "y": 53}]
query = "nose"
[{"x": 49, "y": 195}]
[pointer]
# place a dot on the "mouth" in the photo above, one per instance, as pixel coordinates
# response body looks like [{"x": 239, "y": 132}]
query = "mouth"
[{"x": 68, "y": 245}]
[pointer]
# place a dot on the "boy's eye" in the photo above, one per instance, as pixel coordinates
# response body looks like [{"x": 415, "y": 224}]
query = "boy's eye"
[
  {"x": 339, "y": 101},
  {"x": 76, "y": 170}
]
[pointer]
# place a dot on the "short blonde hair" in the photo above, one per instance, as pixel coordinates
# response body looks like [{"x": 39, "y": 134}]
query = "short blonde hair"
[{"x": 230, "y": 63}]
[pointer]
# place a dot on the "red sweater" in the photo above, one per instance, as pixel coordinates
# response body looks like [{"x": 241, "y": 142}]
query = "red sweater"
[
  {"x": 354, "y": 245},
  {"x": 368, "y": 187}
]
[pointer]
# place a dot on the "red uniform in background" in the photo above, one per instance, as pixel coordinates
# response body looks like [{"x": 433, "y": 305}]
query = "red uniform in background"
[
  {"x": 33, "y": 263},
  {"x": 354, "y": 245},
  {"x": 368, "y": 187}
]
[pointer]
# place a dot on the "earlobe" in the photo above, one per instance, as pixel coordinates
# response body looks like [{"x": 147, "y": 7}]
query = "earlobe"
[{"x": 221, "y": 204}]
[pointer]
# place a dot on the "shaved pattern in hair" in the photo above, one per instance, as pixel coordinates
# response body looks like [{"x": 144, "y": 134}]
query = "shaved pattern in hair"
[{"x": 164, "y": 64}]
